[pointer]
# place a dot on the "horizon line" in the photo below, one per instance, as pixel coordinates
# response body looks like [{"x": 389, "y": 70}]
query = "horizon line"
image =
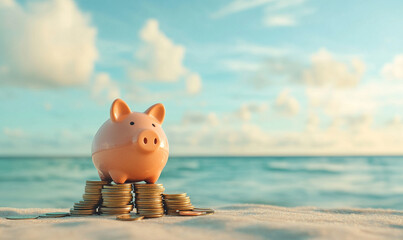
[{"x": 218, "y": 155}]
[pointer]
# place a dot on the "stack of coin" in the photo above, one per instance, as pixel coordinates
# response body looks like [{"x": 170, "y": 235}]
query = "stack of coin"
[
  {"x": 91, "y": 199},
  {"x": 116, "y": 199},
  {"x": 148, "y": 200},
  {"x": 174, "y": 203}
]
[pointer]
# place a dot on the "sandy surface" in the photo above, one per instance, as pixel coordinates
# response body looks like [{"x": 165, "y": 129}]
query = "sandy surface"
[{"x": 233, "y": 222}]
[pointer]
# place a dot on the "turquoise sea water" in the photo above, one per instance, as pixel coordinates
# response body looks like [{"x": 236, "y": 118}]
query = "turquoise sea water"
[{"x": 375, "y": 182}]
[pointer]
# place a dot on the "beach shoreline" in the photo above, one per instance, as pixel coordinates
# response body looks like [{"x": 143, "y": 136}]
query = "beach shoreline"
[{"x": 241, "y": 221}]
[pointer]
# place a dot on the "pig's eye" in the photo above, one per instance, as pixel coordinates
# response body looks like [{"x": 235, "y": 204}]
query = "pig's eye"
[
  {"x": 153, "y": 125},
  {"x": 131, "y": 123}
]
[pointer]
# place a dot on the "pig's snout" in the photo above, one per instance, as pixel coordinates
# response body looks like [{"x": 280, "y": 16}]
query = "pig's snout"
[{"x": 148, "y": 140}]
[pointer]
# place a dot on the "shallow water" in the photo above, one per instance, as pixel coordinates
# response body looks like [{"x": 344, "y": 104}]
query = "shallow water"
[{"x": 375, "y": 182}]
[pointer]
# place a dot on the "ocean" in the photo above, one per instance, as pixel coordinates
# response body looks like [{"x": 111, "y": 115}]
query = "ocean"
[{"x": 331, "y": 182}]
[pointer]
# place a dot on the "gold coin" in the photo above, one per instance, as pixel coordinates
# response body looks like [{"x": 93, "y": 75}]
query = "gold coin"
[
  {"x": 172, "y": 212},
  {"x": 150, "y": 213},
  {"x": 77, "y": 212},
  {"x": 113, "y": 195},
  {"x": 207, "y": 210},
  {"x": 152, "y": 216},
  {"x": 96, "y": 191},
  {"x": 129, "y": 217},
  {"x": 148, "y": 184},
  {"x": 89, "y": 202},
  {"x": 22, "y": 217},
  {"x": 58, "y": 213},
  {"x": 52, "y": 216},
  {"x": 149, "y": 206},
  {"x": 85, "y": 206},
  {"x": 117, "y": 205},
  {"x": 153, "y": 200},
  {"x": 191, "y": 213},
  {"x": 178, "y": 205},
  {"x": 117, "y": 202},
  {"x": 91, "y": 196},
  {"x": 96, "y": 182},
  {"x": 129, "y": 207},
  {"x": 177, "y": 202},
  {"x": 150, "y": 210},
  {"x": 116, "y": 190},
  {"x": 142, "y": 196},
  {"x": 123, "y": 185},
  {"x": 93, "y": 187},
  {"x": 115, "y": 212},
  {"x": 174, "y": 195},
  {"x": 181, "y": 208},
  {"x": 177, "y": 199},
  {"x": 149, "y": 192},
  {"x": 114, "y": 199}
]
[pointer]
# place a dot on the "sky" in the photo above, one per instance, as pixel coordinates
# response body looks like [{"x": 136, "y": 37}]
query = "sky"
[{"x": 243, "y": 77}]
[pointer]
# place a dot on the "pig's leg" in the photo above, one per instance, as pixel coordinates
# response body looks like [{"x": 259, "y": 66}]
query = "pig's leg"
[
  {"x": 118, "y": 176},
  {"x": 152, "y": 179}
]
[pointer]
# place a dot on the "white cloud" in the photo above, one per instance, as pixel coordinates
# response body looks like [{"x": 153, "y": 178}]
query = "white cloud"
[
  {"x": 257, "y": 50},
  {"x": 246, "y": 110},
  {"x": 198, "y": 118},
  {"x": 313, "y": 122},
  {"x": 45, "y": 44},
  {"x": 14, "y": 132},
  {"x": 159, "y": 59},
  {"x": 239, "y": 6},
  {"x": 344, "y": 135},
  {"x": 394, "y": 69},
  {"x": 327, "y": 71},
  {"x": 193, "y": 83},
  {"x": 279, "y": 20},
  {"x": 105, "y": 88},
  {"x": 286, "y": 104},
  {"x": 240, "y": 65},
  {"x": 277, "y": 13}
]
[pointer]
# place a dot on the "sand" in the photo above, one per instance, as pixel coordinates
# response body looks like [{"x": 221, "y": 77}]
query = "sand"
[{"x": 232, "y": 222}]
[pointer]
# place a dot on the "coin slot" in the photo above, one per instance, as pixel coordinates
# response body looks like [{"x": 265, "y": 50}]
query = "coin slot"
[
  {"x": 155, "y": 141},
  {"x": 145, "y": 140},
  {"x": 153, "y": 125}
]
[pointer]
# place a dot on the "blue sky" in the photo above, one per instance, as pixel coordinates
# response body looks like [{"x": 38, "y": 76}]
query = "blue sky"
[{"x": 255, "y": 77}]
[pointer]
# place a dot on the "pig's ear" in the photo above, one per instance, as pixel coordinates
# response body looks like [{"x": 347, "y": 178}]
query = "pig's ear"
[
  {"x": 157, "y": 111},
  {"x": 119, "y": 110}
]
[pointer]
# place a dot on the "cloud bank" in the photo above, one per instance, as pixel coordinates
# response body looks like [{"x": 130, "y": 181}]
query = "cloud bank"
[{"x": 45, "y": 44}]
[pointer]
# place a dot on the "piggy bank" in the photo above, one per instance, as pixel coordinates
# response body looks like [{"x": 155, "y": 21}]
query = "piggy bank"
[{"x": 131, "y": 146}]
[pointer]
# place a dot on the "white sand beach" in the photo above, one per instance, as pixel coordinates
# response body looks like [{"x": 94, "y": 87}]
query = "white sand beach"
[{"x": 232, "y": 222}]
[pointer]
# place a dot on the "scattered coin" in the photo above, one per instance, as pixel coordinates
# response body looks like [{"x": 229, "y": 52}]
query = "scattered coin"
[
  {"x": 153, "y": 216},
  {"x": 191, "y": 213},
  {"x": 208, "y": 211},
  {"x": 22, "y": 217},
  {"x": 52, "y": 216},
  {"x": 129, "y": 217},
  {"x": 58, "y": 213}
]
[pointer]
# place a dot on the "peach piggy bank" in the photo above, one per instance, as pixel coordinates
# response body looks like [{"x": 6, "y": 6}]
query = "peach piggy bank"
[{"x": 131, "y": 146}]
